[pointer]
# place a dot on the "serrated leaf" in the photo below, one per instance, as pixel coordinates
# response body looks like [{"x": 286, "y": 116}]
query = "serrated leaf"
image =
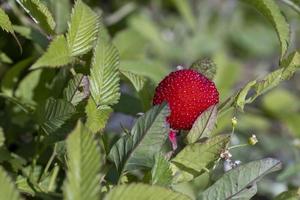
[
  {"x": 104, "y": 75},
  {"x": 7, "y": 189},
  {"x": 237, "y": 180},
  {"x": 7, "y": 26},
  {"x": 83, "y": 29},
  {"x": 270, "y": 10},
  {"x": 10, "y": 78},
  {"x": 203, "y": 125},
  {"x": 143, "y": 192},
  {"x": 39, "y": 13},
  {"x": 137, "y": 81},
  {"x": 57, "y": 54},
  {"x": 161, "y": 172},
  {"x": 96, "y": 117},
  {"x": 84, "y": 162},
  {"x": 77, "y": 89},
  {"x": 53, "y": 114},
  {"x": 138, "y": 149},
  {"x": 206, "y": 67},
  {"x": 195, "y": 158},
  {"x": 240, "y": 99},
  {"x": 5, "y": 23}
]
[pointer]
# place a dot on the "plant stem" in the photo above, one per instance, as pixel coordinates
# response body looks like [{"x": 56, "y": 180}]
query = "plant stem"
[{"x": 237, "y": 146}]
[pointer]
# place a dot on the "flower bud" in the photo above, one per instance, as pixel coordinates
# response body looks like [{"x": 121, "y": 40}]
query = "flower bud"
[
  {"x": 252, "y": 140},
  {"x": 234, "y": 122}
]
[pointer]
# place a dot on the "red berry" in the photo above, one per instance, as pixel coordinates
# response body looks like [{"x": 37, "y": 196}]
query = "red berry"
[{"x": 188, "y": 94}]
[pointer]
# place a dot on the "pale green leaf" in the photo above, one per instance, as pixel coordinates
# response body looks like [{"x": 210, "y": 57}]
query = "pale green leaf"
[
  {"x": 57, "y": 54},
  {"x": 138, "y": 149},
  {"x": 25, "y": 107},
  {"x": 143, "y": 192},
  {"x": 7, "y": 188},
  {"x": 53, "y": 114},
  {"x": 5, "y": 59},
  {"x": 61, "y": 11},
  {"x": 76, "y": 89},
  {"x": 206, "y": 67},
  {"x": 5, "y": 23},
  {"x": 203, "y": 125},
  {"x": 96, "y": 117},
  {"x": 104, "y": 74},
  {"x": 84, "y": 164},
  {"x": 186, "y": 12},
  {"x": 241, "y": 97},
  {"x": 83, "y": 29},
  {"x": 39, "y": 13},
  {"x": 137, "y": 81},
  {"x": 237, "y": 181},
  {"x": 270, "y": 10},
  {"x": 161, "y": 171},
  {"x": 289, "y": 195},
  {"x": 195, "y": 158},
  {"x": 7, "y": 26}
]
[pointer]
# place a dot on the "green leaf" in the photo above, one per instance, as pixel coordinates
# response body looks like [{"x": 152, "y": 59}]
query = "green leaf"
[
  {"x": 7, "y": 26},
  {"x": 96, "y": 117},
  {"x": 186, "y": 12},
  {"x": 57, "y": 54},
  {"x": 2, "y": 137},
  {"x": 5, "y": 23},
  {"x": 11, "y": 77},
  {"x": 84, "y": 164},
  {"x": 83, "y": 29},
  {"x": 195, "y": 158},
  {"x": 270, "y": 10},
  {"x": 154, "y": 70},
  {"x": 206, "y": 67},
  {"x": 39, "y": 13},
  {"x": 76, "y": 89},
  {"x": 148, "y": 135},
  {"x": 7, "y": 188},
  {"x": 53, "y": 114},
  {"x": 203, "y": 125},
  {"x": 238, "y": 180},
  {"x": 5, "y": 59},
  {"x": 104, "y": 75},
  {"x": 26, "y": 108},
  {"x": 241, "y": 98},
  {"x": 161, "y": 171},
  {"x": 137, "y": 81},
  {"x": 288, "y": 195},
  {"x": 143, "y": 192},
  {"x": 61, "y": 11}
]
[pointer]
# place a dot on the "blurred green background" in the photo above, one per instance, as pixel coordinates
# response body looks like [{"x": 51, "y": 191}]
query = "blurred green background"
[{"x": 155, "y": 36}]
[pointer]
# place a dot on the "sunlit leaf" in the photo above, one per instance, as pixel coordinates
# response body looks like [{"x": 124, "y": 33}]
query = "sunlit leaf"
[
  {"x": 96, "y": 117},
  {"x": 39, "y": 13},
  {"x": 104, "y": 78},
  {"x": 77, "y": 89},
  {"x": 143, "y": 192},
  {"x": 83, "y": 29},
  {"x": 57, "y": 54},
  {"x": 84, "y": 164},
  {"x": 7, "y": 188}
]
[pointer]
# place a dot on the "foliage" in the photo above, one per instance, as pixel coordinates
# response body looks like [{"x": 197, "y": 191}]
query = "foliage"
[{"x": 77, "y": 120}]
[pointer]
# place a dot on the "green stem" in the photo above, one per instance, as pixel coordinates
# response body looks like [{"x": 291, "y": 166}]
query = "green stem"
[
  {"x": 292, "y": 5},
  {"x": 53, "y": 178}
]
